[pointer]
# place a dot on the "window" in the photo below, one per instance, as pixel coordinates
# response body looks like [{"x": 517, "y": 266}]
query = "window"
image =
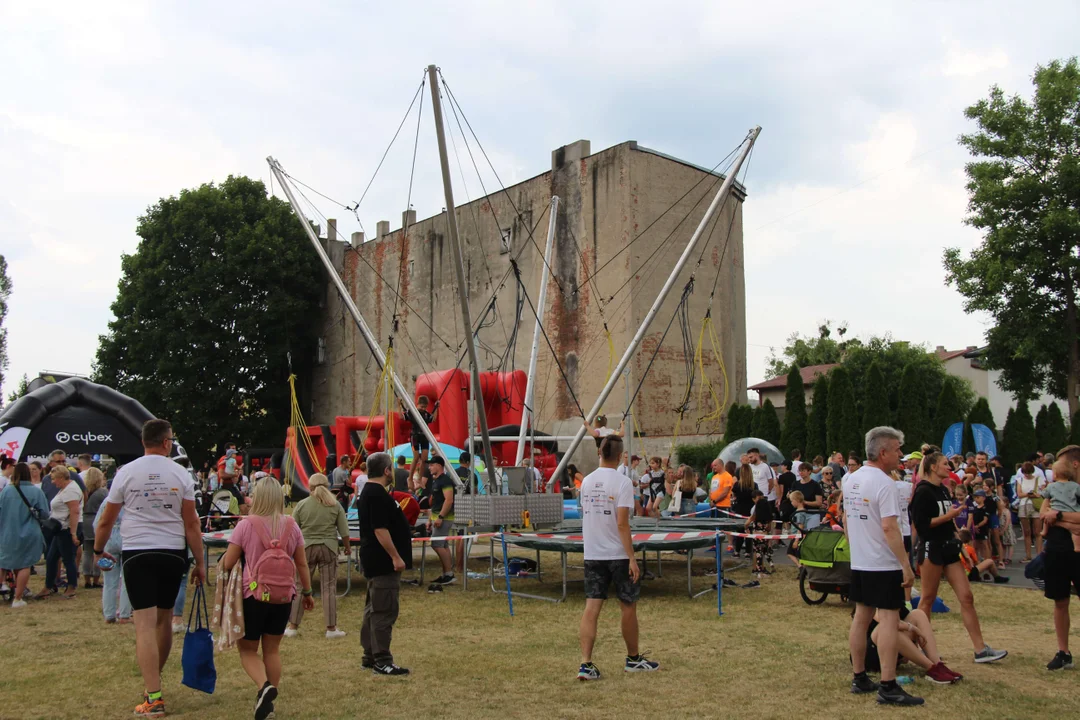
[
  {"x": 506, "y": 238},
  {"x": 320, "y": 353},
  {"x": 412, "y": 266}
]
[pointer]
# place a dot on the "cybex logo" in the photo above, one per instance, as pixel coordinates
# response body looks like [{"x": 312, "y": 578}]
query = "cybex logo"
[{"x": 84, "y": 438}]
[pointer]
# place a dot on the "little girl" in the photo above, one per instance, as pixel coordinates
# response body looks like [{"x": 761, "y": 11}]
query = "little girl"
[
  {"x": 962, "y": 501},
  {"x": 761, "y": 521}
]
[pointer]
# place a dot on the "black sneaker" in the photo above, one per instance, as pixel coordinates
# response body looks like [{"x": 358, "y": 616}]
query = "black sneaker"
[
  {"x": 862, "y": 684},
  {"x": 389, "y": 669},
  {"x": 1061, "y": 661},
  {"x": 367, "y": 664},
  {"x": 588, "y": 671},
  {"x": 447, "y": 579},
  {"x": 896, "y": 696},
  {"x": 434, "y": 588},
  {"x": 729, "y": 583},
  {"x": 640, "y": 663},
  {"x": 264, "y": 701},
  {"x": 1000, "y": 579},
  {"x": 751, "y": 585}
]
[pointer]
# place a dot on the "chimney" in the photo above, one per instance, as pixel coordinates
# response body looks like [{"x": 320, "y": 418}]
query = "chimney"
[
  {"x": 972, "y": 347},
  {"x": 408, "y": 218},
  {"x": 570, "y": 153},
  {"x": 940, "y": 349},
  {"x": 357, "y": 239},
  {"x": 331, "y": 229},
  {"x": 382, "y": 229}
]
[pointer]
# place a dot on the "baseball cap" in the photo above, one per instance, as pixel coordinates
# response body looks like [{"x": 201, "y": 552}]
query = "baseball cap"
[
  {"x": 230, "y": 452},
  {"x": 980, "y": 493},
  {"x": 913, "y": 456}
]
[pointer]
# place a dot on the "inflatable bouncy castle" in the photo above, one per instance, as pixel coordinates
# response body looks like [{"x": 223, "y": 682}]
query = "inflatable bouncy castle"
[{"x": 503, "y": 394}]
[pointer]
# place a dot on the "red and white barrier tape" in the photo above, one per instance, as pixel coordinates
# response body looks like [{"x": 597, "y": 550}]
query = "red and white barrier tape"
[
  {"x": 761, "y": 536},
  {"x": 636, "y": 537}
]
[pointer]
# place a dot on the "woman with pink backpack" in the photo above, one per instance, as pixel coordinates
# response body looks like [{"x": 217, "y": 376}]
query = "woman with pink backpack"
[{"x": 272, "y": 550}]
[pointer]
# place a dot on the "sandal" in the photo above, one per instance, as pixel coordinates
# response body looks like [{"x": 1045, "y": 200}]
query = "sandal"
[
  {"x": 69, "y": 594},
  {"x": 46, "y": 593}
]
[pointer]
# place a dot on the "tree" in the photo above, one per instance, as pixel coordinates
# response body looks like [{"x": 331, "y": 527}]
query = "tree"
[
  {"x": 1024, "y": 190},
  {"x": 817, "y": 424},
  {"x": 980, "y": 414},
  {"x": 766, "y": 424},
  {"x": 947, "y": 412},
  {"x": 1055, "y": 435},
  {"x": 911, "y": 416},
  {"x": 842, "y": 424},
  {"x": 221, "y": 286},
  {"x": 807, "y": 351},
  {"x": 794, "y": 435},
  {"x": 738, "y": 423},
  {"x": 876, "y": 410},
  {"x": 5, "y": 293},
  {"x": 1019, "y": 435},
  {"x": 1074, "y": 430},
  {"x": 1040, "y": 427},
  {"x": 21, "y": 389}
]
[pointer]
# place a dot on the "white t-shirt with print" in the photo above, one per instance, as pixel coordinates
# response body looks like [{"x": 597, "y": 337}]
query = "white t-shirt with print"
[
  {"x": 152, "y": 490},
  {"x": 59, "y": 505},
  {"x": 602, "y": 492},
  {"x": 904, "y": 490},
  {"x": 869, "y": 496},
  {"x": 762, "y": 474}
]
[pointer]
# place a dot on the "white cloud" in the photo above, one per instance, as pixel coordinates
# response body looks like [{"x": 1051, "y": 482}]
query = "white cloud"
[{"x": 108, "y": 107}]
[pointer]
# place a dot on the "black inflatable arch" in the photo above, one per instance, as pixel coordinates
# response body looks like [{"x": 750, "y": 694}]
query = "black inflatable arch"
[{"x": 78, "y": 416}]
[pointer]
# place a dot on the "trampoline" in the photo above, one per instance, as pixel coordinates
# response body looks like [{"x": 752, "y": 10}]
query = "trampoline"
[{"x": 662, "y": 535}]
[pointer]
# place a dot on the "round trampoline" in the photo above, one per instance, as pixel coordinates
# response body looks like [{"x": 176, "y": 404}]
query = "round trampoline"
[{"x": 656, "y": 535}]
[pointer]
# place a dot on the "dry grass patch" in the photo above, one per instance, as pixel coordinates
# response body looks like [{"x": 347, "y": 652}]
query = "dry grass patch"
[{"x": 770, "y": 656}]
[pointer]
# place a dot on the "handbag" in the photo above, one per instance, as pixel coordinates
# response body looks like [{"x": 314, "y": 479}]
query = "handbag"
[
  {"x": 35, "y": 514},
  {"x": 197, "y": 659}
]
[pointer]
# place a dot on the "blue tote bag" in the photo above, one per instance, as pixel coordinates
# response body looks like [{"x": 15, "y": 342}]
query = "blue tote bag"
[{"x": 198, "y": 656}]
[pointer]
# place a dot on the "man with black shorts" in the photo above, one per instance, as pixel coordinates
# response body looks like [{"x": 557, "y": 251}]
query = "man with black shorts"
[
  {"x": 1062, "y": 561},
  {"x": 607, "y": 501},
  {"x": 160, "y": 525},
  {"x": 880, "y": 569}
]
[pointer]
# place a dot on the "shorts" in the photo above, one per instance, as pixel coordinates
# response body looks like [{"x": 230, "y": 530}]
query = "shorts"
[
  {"x": 983, "y": 533},
  {"x": 420, "y": 442},
  {"x": 263, "y": 618},
  {"x": 446, "y": 530},
  {"x": 1062, "y": 570},
  {"x": 881, "y": 589},
  {"x": 152, "y": 577},
  {"x": 942, "y": 554},
  {"x": 995, "y": 522},
  {"x": 1027, "y": 510},
  {"x": 599, "y": 574}
]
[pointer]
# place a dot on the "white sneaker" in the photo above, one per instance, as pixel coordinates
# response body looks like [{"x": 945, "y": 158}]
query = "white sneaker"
[
  {"x": 18, "y": 604},
  {"x": 334, "y": 634},
  {"x": 178, "y": 628},
  {"x": 291, "y": 632}
]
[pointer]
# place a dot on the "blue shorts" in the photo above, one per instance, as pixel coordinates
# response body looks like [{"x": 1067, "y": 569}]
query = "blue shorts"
[{"x": 995, "y": 522}]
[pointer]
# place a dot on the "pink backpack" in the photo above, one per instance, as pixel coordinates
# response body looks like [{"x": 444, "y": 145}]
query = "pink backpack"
[{"x": 273, "y": 577}]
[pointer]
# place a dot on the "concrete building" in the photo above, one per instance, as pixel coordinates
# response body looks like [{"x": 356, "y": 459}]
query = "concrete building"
[{"x": 625, "y": 216}]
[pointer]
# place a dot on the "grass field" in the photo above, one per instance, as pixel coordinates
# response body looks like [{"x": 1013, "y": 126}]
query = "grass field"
[{"x": 770, "y": 656}]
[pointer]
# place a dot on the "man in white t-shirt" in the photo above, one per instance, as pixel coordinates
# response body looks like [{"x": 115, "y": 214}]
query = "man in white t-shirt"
[
  {"x": 607, "y": 502},
  {"x": 160, "y": 526},
  {"x": 880, "y": 567},
  {"x": 764, "y": 477},
  {"x": 796, "y": 461}
]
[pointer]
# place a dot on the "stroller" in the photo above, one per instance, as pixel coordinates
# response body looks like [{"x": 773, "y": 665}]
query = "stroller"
[
  {"x": 218, "y": 510},
  {"x": 825, "y": 565}
]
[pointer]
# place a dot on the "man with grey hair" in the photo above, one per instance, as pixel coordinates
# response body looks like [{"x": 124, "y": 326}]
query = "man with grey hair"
[
  {"x": 880, "y": 569},
  {"x": 385, "y": 550}
]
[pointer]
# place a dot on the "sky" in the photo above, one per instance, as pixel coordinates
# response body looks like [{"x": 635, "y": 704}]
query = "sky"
[{"x": 855, "y": 187}]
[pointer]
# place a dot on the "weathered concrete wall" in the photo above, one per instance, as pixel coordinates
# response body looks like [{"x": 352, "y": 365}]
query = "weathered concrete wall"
[{"x": 607, "y": 199}]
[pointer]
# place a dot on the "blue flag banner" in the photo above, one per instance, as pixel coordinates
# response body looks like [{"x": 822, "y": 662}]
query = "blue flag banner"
[
  {"x": 984, "y": 440},
  {"x": 953, "y": 441}
]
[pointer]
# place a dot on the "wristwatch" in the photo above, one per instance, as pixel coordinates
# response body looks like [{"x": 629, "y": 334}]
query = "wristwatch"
[
  {"x": 98, "y": 552},
  {"x": 1060, "y": 515}
]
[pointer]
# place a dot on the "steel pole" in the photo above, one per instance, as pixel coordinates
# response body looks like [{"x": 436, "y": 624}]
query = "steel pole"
[
  {"x": 459, "y": 269},
  {"x": 530, "y": 385},
  {"x": 365, "y": 331},
  {"x": 721, "y": 196}
]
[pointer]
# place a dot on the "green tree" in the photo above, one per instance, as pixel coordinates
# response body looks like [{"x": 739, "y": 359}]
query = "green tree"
[
  {"x": 806, "y": 351},
  {"x": 21, "y": 389},
  {"x": 221, "y": 286},
  {"x": 1040, "y": 427},
  {"x": 979, "y": 414},
  {"x": 817, "y": 423},
  {"x": 876, "y": 410},
  {"x": 766, "y": 424},
  {"x": 794, "y": 435},
  {"x": 5, "y": 293},
  {"x": 842, "y": 424},
  {"x": 947, "y": 411},
  {"x": 738, "y": 423},
  {"x": 1074, "y": 430},
  {"x": 1024, "y": 192},
  {"x": 1019, "y": 436},
  {"x": 911, "y": 415},
  {"x": 1055, "y": 435}
]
